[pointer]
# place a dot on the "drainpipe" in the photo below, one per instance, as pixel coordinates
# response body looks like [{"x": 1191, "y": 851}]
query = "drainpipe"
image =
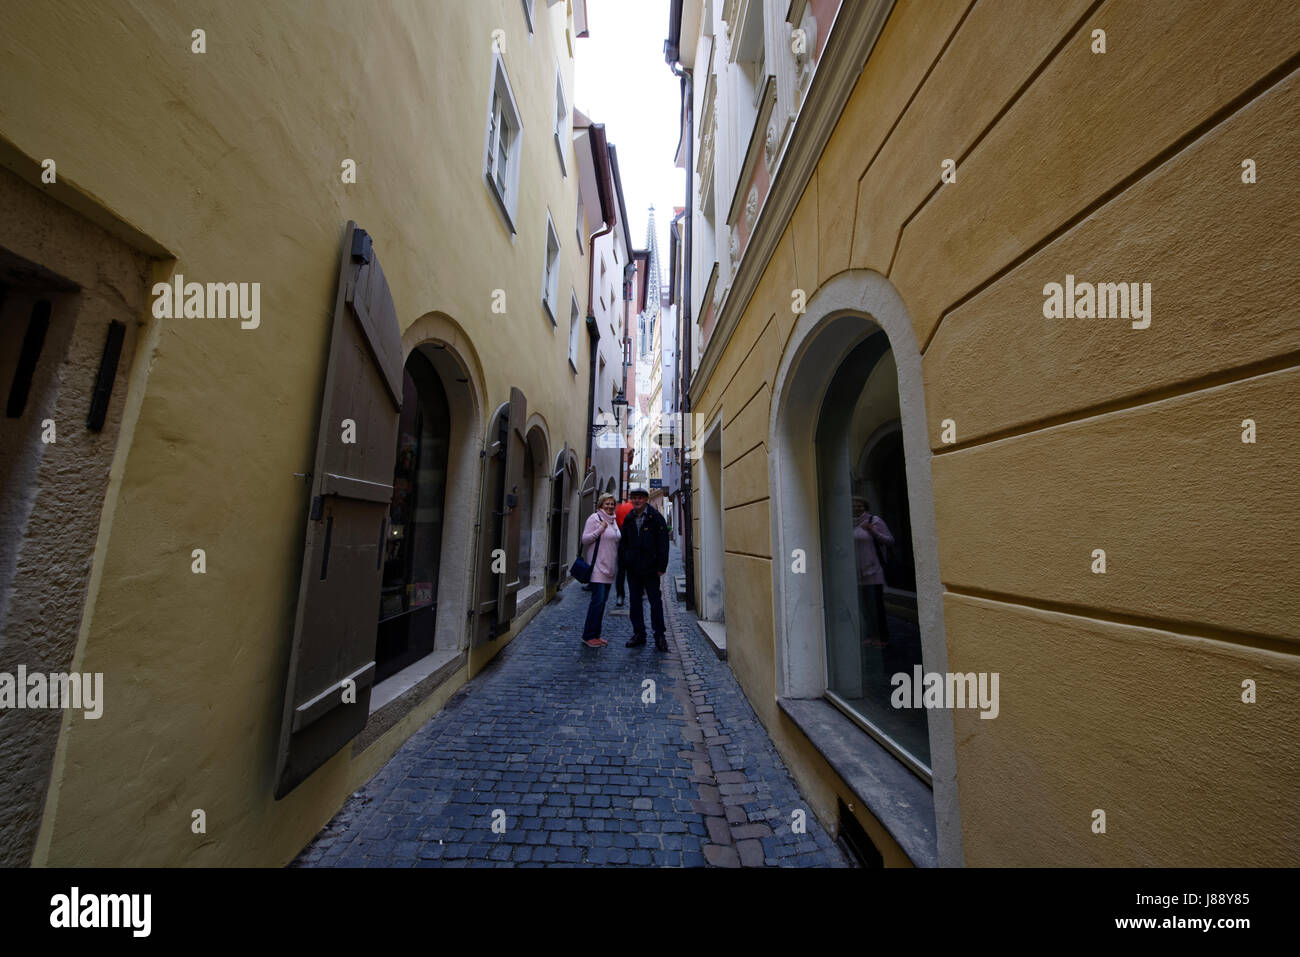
[
  {"x": 593, "y": 337},
  {"x": 601, "y": 167},
  {"x": 629, "y": 296},
  {"x": 684, "y": 328}
]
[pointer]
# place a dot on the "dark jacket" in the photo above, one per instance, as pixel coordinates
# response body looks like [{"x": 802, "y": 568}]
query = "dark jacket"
[{"x": 645, "y": 552}]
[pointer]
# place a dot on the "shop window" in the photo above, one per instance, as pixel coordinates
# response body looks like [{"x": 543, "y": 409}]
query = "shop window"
[
  {"x": 867, "y": 565},
  {"x": 409, "y": 594}
]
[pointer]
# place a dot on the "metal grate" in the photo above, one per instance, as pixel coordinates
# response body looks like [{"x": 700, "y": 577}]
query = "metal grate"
[{"x": 855, "y": 840}]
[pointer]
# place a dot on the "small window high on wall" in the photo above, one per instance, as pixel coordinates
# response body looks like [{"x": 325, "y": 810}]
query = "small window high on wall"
[
  {"x": 501, "y": 153},
  {"x": 575, "y": 321},
  {"x": 551, "y": 272},
  {"x": 561, "y": 130}
]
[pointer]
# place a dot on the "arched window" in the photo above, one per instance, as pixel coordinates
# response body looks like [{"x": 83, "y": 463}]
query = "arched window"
[
  {"x": 413, "y": 543},
  {"x": 868, "y": 578}
]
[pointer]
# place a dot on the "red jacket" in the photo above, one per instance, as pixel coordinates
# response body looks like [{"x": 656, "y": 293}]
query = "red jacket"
[{"x": 620, "y": 513}]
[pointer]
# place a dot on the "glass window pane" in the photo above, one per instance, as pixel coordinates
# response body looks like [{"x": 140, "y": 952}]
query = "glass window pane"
[
  {"x": 868, "y": 578},
  {"x": 503, "y": 157}
]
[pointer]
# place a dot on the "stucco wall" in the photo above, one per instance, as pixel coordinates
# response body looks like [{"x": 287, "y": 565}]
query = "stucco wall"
[
  {"x": 231, "y": 159},
  {"x": 1120, "y": 691}
]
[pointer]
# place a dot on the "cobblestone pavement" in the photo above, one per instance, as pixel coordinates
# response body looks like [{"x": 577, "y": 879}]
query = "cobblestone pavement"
[{"x": 557, "y": 737}]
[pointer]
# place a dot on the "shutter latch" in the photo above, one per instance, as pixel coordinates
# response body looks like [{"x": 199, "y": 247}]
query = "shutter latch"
[{"x": 362, "y": 247}]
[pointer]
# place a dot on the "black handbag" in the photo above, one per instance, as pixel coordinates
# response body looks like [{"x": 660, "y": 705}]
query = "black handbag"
[{"x": 580, "y": 569}]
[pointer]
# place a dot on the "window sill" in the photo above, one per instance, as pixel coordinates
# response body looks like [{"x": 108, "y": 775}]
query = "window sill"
[
  {"x": 573, "y": 366},
  {"x": 502, "y": 208},
  {"x": 559, "y": 151},
  {"x": 896, "y": 797},
  {"x": 527, "y": 598},
  {"x": 550, "y": 313},
  {"x": 396, "y": 697}
]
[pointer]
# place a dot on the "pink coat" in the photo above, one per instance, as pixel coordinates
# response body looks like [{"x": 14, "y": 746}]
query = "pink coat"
[
  {"x": 604, "y": 566},
  {"x": 869, "y": 570}
]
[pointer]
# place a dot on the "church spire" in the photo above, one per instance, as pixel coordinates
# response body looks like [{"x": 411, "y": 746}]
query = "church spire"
[{"x": 653, "y": 280}]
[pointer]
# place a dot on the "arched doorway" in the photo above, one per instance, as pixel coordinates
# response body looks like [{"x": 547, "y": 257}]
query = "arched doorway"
[{"x": 408, "y": 602}]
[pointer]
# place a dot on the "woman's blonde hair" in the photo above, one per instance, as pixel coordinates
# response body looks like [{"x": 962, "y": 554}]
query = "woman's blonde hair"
[{"x": 601, "y": 501}]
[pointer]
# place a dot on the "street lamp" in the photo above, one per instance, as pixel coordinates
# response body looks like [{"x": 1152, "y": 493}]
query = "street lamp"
[
  {"x": 620, "y": 403},
  {"x": 598, "y": 427}
]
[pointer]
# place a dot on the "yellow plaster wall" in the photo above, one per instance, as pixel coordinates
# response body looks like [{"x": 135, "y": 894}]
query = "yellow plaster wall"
[
  {"x": 231, "y": 159},
  {"x": 1146, "y": 725},
  {"x": 1077, "y": 434}
]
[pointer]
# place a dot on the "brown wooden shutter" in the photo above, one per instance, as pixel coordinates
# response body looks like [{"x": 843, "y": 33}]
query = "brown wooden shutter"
[
  {"x": 483, "y": 613},
  {"x": 587, "y": 497},
  {"x": 499, "y": 520},
  {"x": 512, "y": 514},
  {"x": 567, "y": 550},
  {"x": 338, "y": 596}
]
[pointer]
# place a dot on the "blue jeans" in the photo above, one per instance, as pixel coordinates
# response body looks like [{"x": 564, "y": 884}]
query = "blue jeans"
[{"x": 596, "y": 610}]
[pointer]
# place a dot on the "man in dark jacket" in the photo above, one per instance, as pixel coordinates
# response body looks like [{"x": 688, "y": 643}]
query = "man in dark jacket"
[{"x": 643, "y": 553}]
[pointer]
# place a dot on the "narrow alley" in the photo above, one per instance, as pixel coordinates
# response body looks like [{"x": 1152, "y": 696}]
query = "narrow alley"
[
  {"x": 944, "y": 353},
  {"x": 556, "y": 736}
]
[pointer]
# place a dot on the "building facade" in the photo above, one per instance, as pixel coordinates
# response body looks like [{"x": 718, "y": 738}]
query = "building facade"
[
  {"x": 927, "y": 240},
  {"x": 611, "y": 247},
  {"x": 298, "y": 402}
]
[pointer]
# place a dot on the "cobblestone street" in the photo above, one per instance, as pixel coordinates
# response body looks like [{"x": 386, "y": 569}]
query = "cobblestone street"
[{"x": 556, "y": 736}]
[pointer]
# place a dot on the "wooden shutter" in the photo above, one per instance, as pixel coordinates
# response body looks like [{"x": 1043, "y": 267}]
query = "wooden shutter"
[
  {"x": 567, "y": 549},
  {"x": 338, "y": 596},
  {"x": 587, "y": 497},
  {"x": 499, "y": 520},
  {"x": 512, "y": 514}
]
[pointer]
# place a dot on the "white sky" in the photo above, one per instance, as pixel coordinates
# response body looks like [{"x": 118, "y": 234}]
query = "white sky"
[{"x": 621, "y": 80}]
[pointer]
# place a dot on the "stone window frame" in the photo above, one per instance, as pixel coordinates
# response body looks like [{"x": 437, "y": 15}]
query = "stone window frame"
[
  {"x": 561, "y": 125},
  {"x": 838, "y": 316},
  {"x": 502, "y": 111},
  {"x": 575, "y": 322},
  {"x": 551, "y": 271}
]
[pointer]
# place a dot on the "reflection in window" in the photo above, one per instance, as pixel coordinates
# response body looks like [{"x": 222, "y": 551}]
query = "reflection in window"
[
  {"x": 869, "y": 579},
  {"x": 413, "y": 541}
]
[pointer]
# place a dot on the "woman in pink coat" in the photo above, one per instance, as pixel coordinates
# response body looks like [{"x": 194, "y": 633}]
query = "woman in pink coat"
[{"x": 600, "y": 539}]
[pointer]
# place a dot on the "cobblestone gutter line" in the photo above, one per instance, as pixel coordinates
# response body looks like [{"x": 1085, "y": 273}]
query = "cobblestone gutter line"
[{"x": 745, "y": 794}]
